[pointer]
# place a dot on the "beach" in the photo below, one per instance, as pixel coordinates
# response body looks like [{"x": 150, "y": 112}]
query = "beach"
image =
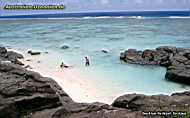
[
  {"x": 102, "y": 40},
  {"x": 25, "y": 93},
  {"x": 137, "y": 65},
  {"x": 73, "y": 81}
]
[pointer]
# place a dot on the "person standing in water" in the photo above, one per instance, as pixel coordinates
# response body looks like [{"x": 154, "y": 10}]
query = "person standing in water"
[{"x": 87, "y": 62}]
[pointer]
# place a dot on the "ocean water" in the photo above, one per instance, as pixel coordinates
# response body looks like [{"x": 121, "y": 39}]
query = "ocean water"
[
  {"x": 185, "y": 13},
  {"x": 107, "y": 77}
]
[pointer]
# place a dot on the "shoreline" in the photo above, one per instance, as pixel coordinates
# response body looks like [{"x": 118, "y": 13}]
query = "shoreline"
[
  {"x": 36, "y": 96},
  {"x": 79, "y": 90}
]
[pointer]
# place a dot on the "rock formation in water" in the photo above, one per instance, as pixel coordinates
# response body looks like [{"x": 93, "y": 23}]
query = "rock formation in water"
[
  {"x": 176, "y": 60},
  {"x": 33, "y": 52},
  {"x": 26, "y": 94},
  {"x": 65, "y": 46}
]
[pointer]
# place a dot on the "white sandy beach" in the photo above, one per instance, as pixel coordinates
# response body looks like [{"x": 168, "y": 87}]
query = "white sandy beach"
[{"x": 73, "y": 81}]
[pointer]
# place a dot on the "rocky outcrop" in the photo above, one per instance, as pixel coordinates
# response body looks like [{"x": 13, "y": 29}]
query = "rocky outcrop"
[
  {"x": 10, "y": 56},
  {"x": 95, "y": 110},
  {"x": 25, "y": 91},
  {"x": 176, "y": 60},
  {"x": 138, "y": 102},
  {"x": 22, "y": 91}
]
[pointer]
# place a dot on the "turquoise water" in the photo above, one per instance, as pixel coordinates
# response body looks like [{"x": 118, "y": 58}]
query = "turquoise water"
[{"x": 88, "y": 36}]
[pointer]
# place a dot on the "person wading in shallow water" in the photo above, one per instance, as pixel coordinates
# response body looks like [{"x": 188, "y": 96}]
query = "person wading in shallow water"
[{"x": 87, "y": 62}]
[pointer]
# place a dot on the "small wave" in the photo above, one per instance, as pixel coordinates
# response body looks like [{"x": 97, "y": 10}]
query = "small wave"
[
  {"x": 138, "y": 17},
  {"x": 102, "y": 17},
  {"x": 54, "y": 18},
  {"x": 179, "y": 17},
  {"x": 90, "y": 17}
]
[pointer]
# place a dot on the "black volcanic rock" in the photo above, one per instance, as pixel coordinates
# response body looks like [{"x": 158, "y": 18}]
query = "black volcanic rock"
[
  {"x": 10, "y": 56},
  {"x": 33, "y": 52},
  {"x": 25, "y": 90},
  {"x": 65, "y": 46},
  {"x": 176, "y": 60},
  {"x": 105, "y": 50},
  {"x": 95, "y": 110},
  {"x": 139, "y": 102},
  {"x": 180, "y": 74},
  {"x": 3, "y": 50}
]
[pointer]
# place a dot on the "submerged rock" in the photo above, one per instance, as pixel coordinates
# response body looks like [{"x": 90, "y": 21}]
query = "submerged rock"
[
  {"x": 105, "y": 50},
  {"x": 65, "y": 46},
  {"x": 29, "y": 60},
  {"x": 176, "y": 60},
  {"x": 33, "y": 52}
]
